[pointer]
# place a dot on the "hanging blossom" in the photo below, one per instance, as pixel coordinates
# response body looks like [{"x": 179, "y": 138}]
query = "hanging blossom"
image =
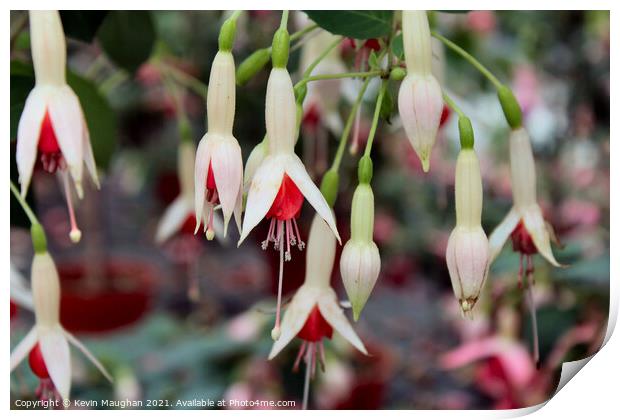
[
  {"x": 524, "y": 223},
  {"x": 47, "y": 343},
  {"x": 219, "y": 166},
  {"x": 420, "y": 102},
  {"x": 360, "y": 262},
  {"x": 281, "y": 183},
  {"x": 52, "y": 125},
  {"x": 467, "y": 253},
  {"x": 314, "y": 312}
]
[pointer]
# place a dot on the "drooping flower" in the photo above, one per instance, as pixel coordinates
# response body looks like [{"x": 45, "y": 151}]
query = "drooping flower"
[
  {"x": 219, "y": 166},
  {"x": 281, "y": 183},
  {"x": 360, "y": 262},
  {"x": 52, "y": 125},
  {"x": 420, "y": 101},
  {"x": 524, "y": 223},
  {"x": 314, "y": 312},
  {"x": 47, "y": 343},
  {"x": 467, "y": 253}
]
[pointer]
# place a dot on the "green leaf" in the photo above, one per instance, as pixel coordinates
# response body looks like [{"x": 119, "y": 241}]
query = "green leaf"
[
  {"x": 100, "y": 118},
  {"x": 397, "y": 46},
  {"x": 127, "y": 37},
  {"x": 358, "y": 24},
  {"x": 82, "y": 24}
]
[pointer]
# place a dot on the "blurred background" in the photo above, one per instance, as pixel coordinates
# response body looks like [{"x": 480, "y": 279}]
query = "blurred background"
[{"x": 127, "y": 296}]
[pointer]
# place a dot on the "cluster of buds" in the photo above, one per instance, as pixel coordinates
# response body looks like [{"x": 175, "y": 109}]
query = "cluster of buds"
[
  {"x": 52, "y": 125},
  {"x": 47, "y": 343}
]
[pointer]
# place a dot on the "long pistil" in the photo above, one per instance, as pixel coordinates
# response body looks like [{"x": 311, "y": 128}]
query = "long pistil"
[{"x": 75, "y": 234}]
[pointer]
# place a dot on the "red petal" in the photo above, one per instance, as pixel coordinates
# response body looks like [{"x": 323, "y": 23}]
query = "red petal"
[
  {"x": 522, "y": 241},
  {"x": 288, "y": 201},
  {"x": 37, "y": 364},
  {"x": 316, "y": 327},
  {"x": 48, "y": 143}
]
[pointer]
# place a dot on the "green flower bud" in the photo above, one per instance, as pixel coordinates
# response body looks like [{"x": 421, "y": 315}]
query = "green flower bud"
[
  {"x": 364, "y": 170},
  {"x": 329, "y": 186},
  {"x": 279, "y": 48},
  {"x": 510, "y": 106},
  {"x": 466, "y": 133},
  {"x": 39, "y": 241},
  {"x": 398, "y": 74},
  {"x": 252, "y": 65}
]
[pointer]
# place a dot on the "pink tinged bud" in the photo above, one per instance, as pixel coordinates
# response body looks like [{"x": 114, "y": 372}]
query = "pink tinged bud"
[
  {"x": 420, "y": 105},
  {"x": 360, "y": 262},
  {"x": 420, "y": 102},
  {"x": 47, "y": 41},
  {"x": 467, "y": 253}
]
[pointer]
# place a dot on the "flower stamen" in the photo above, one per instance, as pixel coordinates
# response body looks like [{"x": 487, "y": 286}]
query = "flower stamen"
[{"x": 75, "y": 234}]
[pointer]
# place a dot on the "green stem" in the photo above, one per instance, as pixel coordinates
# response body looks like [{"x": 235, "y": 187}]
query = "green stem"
[
  {"x": 22, "y": 202},
  {"x": 185, "y": 79},
  {"x": 467, "y": 56},
  {"x": 182, "y": 118},
  {"x": 339, "y": 76},
  {"x": 320, "y": 58},
  {"x": 450, "y": 102},
  {"x": 302, "y": 32},
  {"x": 284, "y": 20},
  {"x": 348, "y": 125},
  {"x": 375, "y": 119}
]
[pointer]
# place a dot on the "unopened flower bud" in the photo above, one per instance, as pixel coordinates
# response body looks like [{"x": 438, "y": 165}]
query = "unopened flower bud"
[
  {"x": 467, "y": 254},
  {"x": 420, "y": 101},
  {"x": 510, "y": 106},
  {"x": 252, "y": 65},
  {"x": 398, "y": 74},
  {"x": 360, "y": 261}
]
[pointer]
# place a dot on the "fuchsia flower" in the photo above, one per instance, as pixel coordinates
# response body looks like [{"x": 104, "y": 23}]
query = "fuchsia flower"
[
  {"x": 420, "y": 101},
  {"x": 524, "y": 223},
  {"x": 46, "y": 345},
  {"x": 467, "y": 253},
  {"x": 314, "y": 312},
  {"x": 52, "y": 125},
  {"x": 219, "y": 168}
]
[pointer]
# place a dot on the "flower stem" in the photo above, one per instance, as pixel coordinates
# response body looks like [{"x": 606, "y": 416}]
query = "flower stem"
[
  {"x": 185, "y": 79},
  {"x": 320, "y": 58},
  {"x": 284, "y": 20},
  {"x": 302, "y": 32},
  {"x": 467, "y": 56},
  {"x": 375, "y": 119},
  {"x": 450, "y": 102},
  {"x": 22, "y": 202},
  {"x": 339, "y": 76},
  {"x": 348, "y": 125}
]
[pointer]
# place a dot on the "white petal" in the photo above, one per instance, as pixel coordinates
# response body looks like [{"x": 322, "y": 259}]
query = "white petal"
[
  {"x": 66, "y": 117},
  {"x": 55, "y": 351},
  {"x": 77, "y": 343},
  {"x": 201, "y": 169},
  {"x": 295, "y": 317},
  {"x": 334, "y": 315},
  {"x": 263, "y": 191},
  {"x": 89, "y": 158},
  {"x": 501, "y": 233},
  {"x": 297, "y": 172},
  {"x": 227, "y": 166},
  {"x": 257, "y": 155},
  {"x": 20, "y": 352},
  {"x": 186, "y": 160},
  {"x": 535, "y": 225},
  {"x": 173, "y": 218},
  {"x": 239, "y": 208},
  {"x": 28, "y": 132}
]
